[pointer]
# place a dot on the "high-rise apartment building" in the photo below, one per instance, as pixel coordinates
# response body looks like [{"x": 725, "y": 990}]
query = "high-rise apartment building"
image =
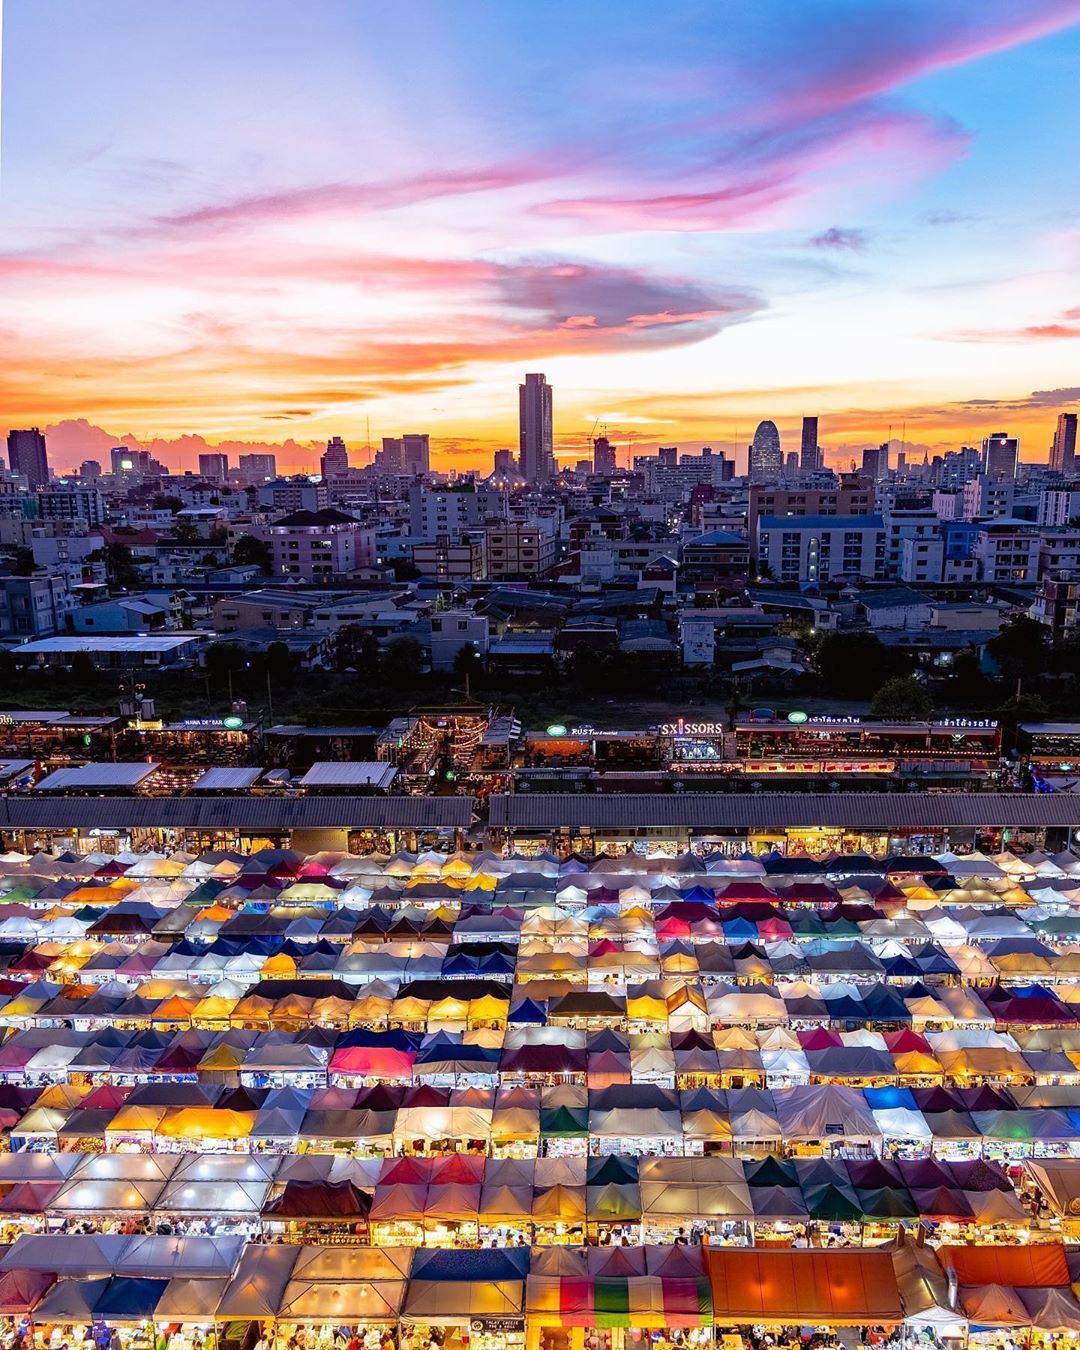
[
  {"x": 215, "y": 467},
  {"x": 1000, "y": 454},
  {"x": 336, "y": 459},
  {"x": 256, "y": 467},
  {"x": 416, "y": 452},
  {"x": 127, "y": 463},
  {"x": 505, "y": 466},
  {"x": 90, "y": 469},
  {"x": 766, "y": 458},
  {"x": 810, "y": 456},
  {"x": 1063, "y": 446},
  {"x": 408, "y": 454},
  {"x": 28, "y": 456},
  {"x": 535, "y": 429},
  {"x": 875, "y": 462}
]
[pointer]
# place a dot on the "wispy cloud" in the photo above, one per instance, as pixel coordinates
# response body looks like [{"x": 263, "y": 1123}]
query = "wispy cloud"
[{"x": 844, "y": 240}]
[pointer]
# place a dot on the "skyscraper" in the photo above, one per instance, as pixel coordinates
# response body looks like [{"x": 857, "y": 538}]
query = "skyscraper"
[
  {"x": 1000, "y": 453},
  {"x": 506, "y": 465},
  {"x": 336, "y": 459},
  {"x": 537, "y": 456},
  {"x": 810, "y": 458},
  {"x": 603, "y": 455},
  {"x": 27, "y": 455},
  {"x": 1063, "y": 446},
  {"x": 766, "y": 457}
]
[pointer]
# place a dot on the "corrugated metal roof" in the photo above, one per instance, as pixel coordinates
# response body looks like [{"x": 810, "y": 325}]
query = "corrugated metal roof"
[
  {"x": 241, "y": 813},
  {"x": 222, "y": 779},
  {"x": 350, "y": 773},
  {"x": 89, "y": 777},
  {"x": 85, "y": 642},
  {"x": 719, "y": 811}
]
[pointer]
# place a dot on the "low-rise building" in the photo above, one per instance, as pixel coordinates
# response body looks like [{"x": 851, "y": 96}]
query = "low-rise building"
[
  {"x": 822, "y": 548},
  {"x": 449, "y": 560},
  {"x": 516, "y": 550},
  {"x": 454, "y": 629},
  {"x": 33, "y": 606},
  {"x": 1008, "y": 551},
  {"x": 719, "y": 556},
  {"x": 319, "y": 545},
  {"x": 123, "y": 652}
]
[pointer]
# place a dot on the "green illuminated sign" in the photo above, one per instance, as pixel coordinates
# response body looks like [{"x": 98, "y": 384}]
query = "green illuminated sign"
[
  {"x": 556, "y": 729},
  {"x": 233, "y": 723},
  {"x": 798, "y": 717}
]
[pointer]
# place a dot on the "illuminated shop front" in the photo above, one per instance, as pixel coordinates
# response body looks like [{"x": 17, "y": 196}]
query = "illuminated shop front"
[
  {"x": 59, "y": 736},
  {"x": 954, "y": 747},
  {"x": 194, "y": 740}
]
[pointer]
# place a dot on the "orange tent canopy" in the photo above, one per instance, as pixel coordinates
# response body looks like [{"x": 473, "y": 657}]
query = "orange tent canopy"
[
  {"x": 1031, "y": 1267},
  {"x": 808, "y": 1287}
]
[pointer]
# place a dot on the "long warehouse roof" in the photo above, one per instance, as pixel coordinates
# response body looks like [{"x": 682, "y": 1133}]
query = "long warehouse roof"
[
  {"x": 241, "y": 811},
  {"x": 722, "y": 810}
]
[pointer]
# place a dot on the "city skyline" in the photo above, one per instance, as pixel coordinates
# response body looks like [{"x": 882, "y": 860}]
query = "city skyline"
[{"x": 817, "y": 213}]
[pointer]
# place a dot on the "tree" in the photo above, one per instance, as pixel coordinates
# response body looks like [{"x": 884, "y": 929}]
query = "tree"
[
  {"x": 120, "y": 567},
  {"x": 83, "y": 670},
  {"x": 468, "y": 665},
  {"x": 357, "y": 649},
  {"x": 901, "y": 698},
  {"x": 968, "y": 684},
  {"x": 1025, "y": 708},
  {"x": 167, "y": 502},
  {"x": 404, "y": 569},
  {"x": 280, "y": 663},
  {"x": 1020, "y": 648},
  {"x": 855, "y": 665},
  {"x": 249, "y": 551},
  {"x": 403, "y": 663},
  {"x": 224, "y": 658},
  {"x": 185, "y": 531},
  {"x": 23, "y": 564}
]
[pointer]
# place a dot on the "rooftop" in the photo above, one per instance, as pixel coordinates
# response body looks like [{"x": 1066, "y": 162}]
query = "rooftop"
[
  {"x": 226, "y": 780},
  {"x": 90, "y": 777},
  {"x": 136, "y": 642},
  {"x": 242, "y": 812},
  {"x": 784, "y": 810},
  {"x": 820, "y": 523},
  {"x": 350, "y": 773}
]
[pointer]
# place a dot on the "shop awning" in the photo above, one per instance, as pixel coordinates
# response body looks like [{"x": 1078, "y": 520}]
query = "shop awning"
[
  {"x": 22, "y": 1290},
  {"x": 255, "y": 1291},
  {"x": 1029, "y": 1267},
  {"x": 463, "y": 1286},
  {"x": 831, "y": 1287}
]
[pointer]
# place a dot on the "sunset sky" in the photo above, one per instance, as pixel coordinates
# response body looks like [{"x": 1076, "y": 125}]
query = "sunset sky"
[{"x": 272, "y": 221}]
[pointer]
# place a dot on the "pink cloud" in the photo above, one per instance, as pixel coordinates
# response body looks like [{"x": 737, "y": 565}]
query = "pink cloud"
[{"x": 388, "y": 195}]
